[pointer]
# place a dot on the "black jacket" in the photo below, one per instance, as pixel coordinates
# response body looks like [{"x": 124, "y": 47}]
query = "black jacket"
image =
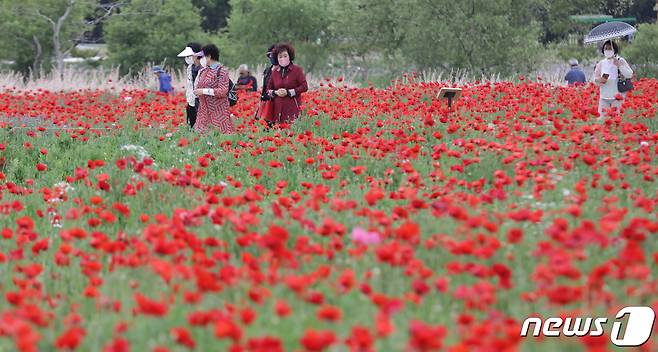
[{"x": 266, "y": 77}]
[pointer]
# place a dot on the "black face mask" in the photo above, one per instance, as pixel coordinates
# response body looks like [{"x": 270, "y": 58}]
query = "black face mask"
[{"x": 273, "y": 61}]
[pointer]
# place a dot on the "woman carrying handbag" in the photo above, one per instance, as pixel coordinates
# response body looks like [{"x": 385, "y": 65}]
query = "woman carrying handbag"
[{"x": 613, "y": 75}]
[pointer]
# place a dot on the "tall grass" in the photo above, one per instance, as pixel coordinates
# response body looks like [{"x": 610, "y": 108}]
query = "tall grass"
[{"x": 110, "y": 79}]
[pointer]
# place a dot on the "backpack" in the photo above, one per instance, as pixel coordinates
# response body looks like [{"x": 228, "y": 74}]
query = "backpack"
[{"x": 232, "y": 93}]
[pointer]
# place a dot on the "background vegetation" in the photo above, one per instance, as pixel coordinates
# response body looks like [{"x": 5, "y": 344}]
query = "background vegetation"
[{"x": 365, "y": 38}]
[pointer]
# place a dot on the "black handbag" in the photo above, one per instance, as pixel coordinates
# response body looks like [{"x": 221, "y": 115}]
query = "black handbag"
[
  {"x": 624, "y": 85},
  {"x": 232, "y": 92}
]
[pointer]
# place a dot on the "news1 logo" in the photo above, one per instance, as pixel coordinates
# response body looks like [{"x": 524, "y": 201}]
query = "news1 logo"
[{"x": 634, "y": 333}]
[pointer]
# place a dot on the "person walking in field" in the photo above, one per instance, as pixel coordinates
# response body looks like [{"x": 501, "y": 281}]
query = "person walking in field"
[
  {"x": 212, "y": 88},
  {"x": 286, "y": 86},
  {"x": 267, "y": 73},
  {"x": 192, "y": 70},
  {"x": 246, "y": 81},
  {"x": 164, "y": 80},
  {"x": 607, "y": 74},
  {"x": 575, "y": 76},
  {"x": 265, "y": 108}
]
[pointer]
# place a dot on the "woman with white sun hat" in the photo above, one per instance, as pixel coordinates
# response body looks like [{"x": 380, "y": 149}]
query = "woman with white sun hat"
[{"x": 192, "y": 70}]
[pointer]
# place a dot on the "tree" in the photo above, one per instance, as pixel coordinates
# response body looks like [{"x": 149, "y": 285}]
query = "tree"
[
  {"x": 150, "y": 31},
  {"x": 73, "y": 12},
  {"x": 256, "y": 24},
  {"x": 474, "y": 35},
  {"x": 554, "y": 17},
  {"x": 643, "y": 52},
  {"x": 51, "y": 27},
  {"x": 643, "y": 10},
  {"x": 214, "y": 13},
  {"x": 366, "y": 29},
  {"x": 617, "y": 8},
  {"x": 21, "y": 40}
]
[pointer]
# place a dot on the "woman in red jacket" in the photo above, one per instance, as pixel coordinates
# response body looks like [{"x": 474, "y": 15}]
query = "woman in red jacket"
[{"x": 286, "y": 86}]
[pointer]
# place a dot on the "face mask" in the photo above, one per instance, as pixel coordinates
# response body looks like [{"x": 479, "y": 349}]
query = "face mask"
[
  {"x": 273, "y": 61},
  {"x": 608, "y": 54},
  {"x": 284, "y": 62},
  {"x": 189, "y": 60},
  {"x": 204, "y": 62}
]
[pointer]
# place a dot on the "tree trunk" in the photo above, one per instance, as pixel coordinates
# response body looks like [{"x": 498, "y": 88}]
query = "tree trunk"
[
  {"x": 57, "y": 46},
  {"x": 59, "y": 53},
  {"x": 365, "y": 73},
  {"x": 59, "y": 57},
  {"x": 37, "y": 56}
]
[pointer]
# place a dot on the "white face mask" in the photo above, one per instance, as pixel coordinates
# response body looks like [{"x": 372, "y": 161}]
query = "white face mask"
[
  {"x": 204, "y": 62},
  {"x": 189, "y": 60},
  {"x": 608, "y": 54}
]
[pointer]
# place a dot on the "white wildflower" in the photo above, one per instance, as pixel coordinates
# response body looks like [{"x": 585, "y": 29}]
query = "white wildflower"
[
  {"x": 141, "y": 152},
  {"x": 65, "y": 186}
]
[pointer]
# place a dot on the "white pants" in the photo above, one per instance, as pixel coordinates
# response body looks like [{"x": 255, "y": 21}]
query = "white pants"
[{"x": 606, "y": 104}]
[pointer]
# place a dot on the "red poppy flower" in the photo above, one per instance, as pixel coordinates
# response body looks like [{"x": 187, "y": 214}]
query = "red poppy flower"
[{"x": 318, "y": 340}]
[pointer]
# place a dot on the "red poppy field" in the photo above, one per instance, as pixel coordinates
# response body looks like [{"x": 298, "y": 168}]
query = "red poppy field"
[{"x": 380, "y": 221}]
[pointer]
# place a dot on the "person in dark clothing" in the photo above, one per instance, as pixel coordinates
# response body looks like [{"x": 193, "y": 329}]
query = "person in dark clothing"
[
  {"x": 246, "y": 81},
  {"x": 268, "y": 72},
  {"x": 575, "y": 76},
  {"x": 265, "y": 108}
]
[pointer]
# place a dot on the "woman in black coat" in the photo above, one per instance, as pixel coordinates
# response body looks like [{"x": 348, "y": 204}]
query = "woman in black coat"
[{"x": 267, "y": 73}]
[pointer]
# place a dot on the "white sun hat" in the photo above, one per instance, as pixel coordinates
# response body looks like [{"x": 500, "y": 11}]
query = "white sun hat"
[{"x": 187, "y": 52}]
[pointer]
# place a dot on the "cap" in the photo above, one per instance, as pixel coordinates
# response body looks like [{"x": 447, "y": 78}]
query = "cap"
[
  {"x": 573, "y": 62},
  {"x": 187, "y": 52},
  {"x": 157, "y": 69}
]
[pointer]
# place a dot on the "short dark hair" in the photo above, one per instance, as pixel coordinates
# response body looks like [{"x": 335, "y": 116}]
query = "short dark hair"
[
  {"x": 284, "y": 47},
  {"x": 615, "y": 47},
  {"x": 196, "y": 47},
  {"x": 211, "y": 50}
]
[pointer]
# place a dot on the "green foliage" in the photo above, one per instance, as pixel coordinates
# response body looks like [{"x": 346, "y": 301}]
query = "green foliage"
[
  {"x": 376, "y": 39},
  {"x": 554, "y": 17},
  {"x": 27, "y": 36},
  {"x": 643, "y": 10},
  {"x": 617, "y": 8},
  {"x": 365, "y": 25},
  {"x": 256, "y": 24},
  {"x": 565, "y": 51},
  {"x": 367, "y": 32},
  {"x": 476, "y": 35},
  {"x": 642, "y": 54},
  {"x": 214, "y": 13},
  {"x": 149, "y": 31}
]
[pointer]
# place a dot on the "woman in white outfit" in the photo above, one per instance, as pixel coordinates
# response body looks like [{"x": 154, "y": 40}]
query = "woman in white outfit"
[
  {"x": 192, "y": 70},
  {"x": 607, "y": 73}
]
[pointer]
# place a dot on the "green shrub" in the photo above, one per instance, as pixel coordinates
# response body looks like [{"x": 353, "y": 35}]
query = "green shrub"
[{"x": 642, "y": 54}]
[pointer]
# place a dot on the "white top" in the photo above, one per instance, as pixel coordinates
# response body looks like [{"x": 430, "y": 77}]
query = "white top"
[
  {"x": 609, "y": 90},
  {"x": 609, "y": 68},
  {"x": 189, "y": 88}
]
